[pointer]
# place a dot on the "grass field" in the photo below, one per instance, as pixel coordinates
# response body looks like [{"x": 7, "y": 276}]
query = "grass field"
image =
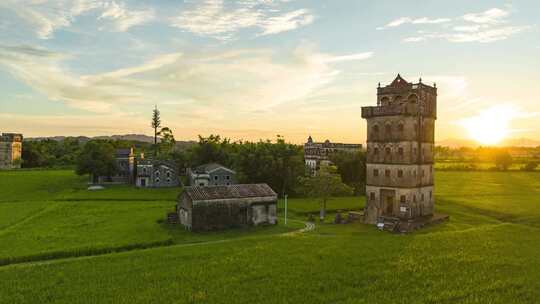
[{"x": 487, "y": 253}]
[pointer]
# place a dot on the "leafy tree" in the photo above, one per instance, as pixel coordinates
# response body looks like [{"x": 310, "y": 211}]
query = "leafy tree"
[
  {"x": 352, "y": 168},
  {"x": 503, "y": 160},
  {"x": 97, "y": 159},
  {"x": 167, "y": 142},
  {"x": 212, "y": 149},
  {"x": 530, "y": 166},
  {"x": 323, "y": 186}
]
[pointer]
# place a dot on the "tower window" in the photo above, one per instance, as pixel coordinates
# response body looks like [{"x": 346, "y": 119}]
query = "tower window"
[
  {"x": 376, "y": 151},
  {"x": 400, "y": 173},
  {"x": 422, "y": 197},
  {"x": 375, "y": 172},
  {"x": 422, "y": 173},
  {"x": 400, "y": 127},
  {"x": 388, "y": 130},
  {"x": 372, "y": 196},
  {"x": 400, "y": 151},
  {"x": 387, "y": 173},
  {"x": 402, "y": 199},
  {"x": 388, "y": 151}
]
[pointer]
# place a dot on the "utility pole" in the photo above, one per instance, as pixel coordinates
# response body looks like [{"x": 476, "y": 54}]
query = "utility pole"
[{"x": 285, "y": 209}]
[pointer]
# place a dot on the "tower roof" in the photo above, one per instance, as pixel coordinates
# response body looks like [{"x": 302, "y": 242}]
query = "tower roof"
[{"x": 399, "y": 82}]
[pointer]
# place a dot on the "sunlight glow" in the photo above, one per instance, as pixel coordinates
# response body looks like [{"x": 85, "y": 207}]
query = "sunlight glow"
[{"x": 490, "y": 126}]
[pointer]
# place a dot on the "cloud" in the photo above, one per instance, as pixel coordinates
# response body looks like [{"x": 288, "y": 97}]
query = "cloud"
[
  {"x": 124, "y": 18},
  {"x": 409, "y": 20},
  {"x": 490, "y": 16},
  {"x": 213, "y": 18},
  {"x": 46, "y": 17},
  {"x": 484, "y": 27},
  {"x": 254, "y": 79}
]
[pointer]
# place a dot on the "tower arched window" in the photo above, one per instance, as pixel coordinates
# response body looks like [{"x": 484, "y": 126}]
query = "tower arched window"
[
  {"x": 388, "y": 131},
  {"x": 398, "y": 99},
  {"x": 413, "y": 98},
  {"x": 388, "y": 151}
]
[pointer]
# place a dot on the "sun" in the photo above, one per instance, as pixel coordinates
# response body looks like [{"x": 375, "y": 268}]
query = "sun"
[{"x": 490, "y": 126}]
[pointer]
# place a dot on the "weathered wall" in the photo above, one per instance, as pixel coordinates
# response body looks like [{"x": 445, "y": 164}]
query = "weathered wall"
[{"x": 412, "y": 175}]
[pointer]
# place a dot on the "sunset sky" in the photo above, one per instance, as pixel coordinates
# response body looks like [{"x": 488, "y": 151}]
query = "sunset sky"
[{"x": 252, "y": 69}]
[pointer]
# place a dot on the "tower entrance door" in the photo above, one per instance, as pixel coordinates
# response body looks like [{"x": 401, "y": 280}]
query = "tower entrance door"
[{"x": 388, "y": 202}]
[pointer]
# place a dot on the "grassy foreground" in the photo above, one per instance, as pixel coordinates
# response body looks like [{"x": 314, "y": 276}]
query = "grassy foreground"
[{"x": 487, "y": 252}]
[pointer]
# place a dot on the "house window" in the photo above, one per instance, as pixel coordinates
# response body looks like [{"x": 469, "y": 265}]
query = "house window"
[
  {"x": 157, "y": 174},
  {"x": 228, "y": 184},
  {"x": 387, "y": 173},
  {"x": 168, "y": 180},
  {"x": 400, "y": 173},
  {"x": 402, "y": 199},
  {"x": 168, "y": 173},
  {"x": 372, "y": 196},
  {"x": 144, "y": 170},
  {"x": 157, "y": 179},
  {"x": 375, "y": 172},
  {"x": 216, "y": 177},
  {"x": 227, "y": 177}
]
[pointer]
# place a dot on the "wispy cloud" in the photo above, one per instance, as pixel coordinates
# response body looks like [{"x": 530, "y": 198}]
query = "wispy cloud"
[
  {"x": 46, "y": 17},
  {"x": 254, "y": 79},
  {"x": 123, "y": 18},
  {"x": 213, "y": 18},
  {"x": 410, "y": 20},
  {"x": 487, "y": 26}
]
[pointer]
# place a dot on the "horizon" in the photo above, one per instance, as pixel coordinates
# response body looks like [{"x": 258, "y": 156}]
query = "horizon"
[{"x": 252, "y": 70}]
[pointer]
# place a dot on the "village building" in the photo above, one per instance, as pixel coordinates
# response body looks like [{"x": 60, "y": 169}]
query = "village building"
[
  {"x": 211, "y": 175},
  {"x": 204, "y": 208},
  {"x": 319, "y": 153},
  {"x": 125, "y": 161},
  {"x": 156, "y": 174},
  {"x": 10, "y": 150},
  {"x": 400, "y": 142}
]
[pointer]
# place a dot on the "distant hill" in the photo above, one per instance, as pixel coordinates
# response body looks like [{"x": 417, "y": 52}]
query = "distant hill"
[
  {"x": 512, "y": 142},
  {"x": 128, "y": 137}
]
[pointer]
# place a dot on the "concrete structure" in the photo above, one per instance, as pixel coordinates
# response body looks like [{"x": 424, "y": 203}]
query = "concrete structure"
[
  {"x": 156, "y": 174},
  {"x": 319, "y": 153},
  {"x": 400, "y": 144},
  {"x": 10, "y": 150},
  {"x": 211, "y": 175},
  {"x": 221, "y": 207},
  {"x": 125, "y": 160}
]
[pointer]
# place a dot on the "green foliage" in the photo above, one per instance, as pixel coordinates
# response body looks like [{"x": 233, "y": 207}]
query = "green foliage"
[
  {"x": 97, "y": 159},
  {"x": 50, "y": 153},
  {"x": 503, "y": 160},
  {"x": 324, "y": 185},
  {"x": 166, "y": 144},
  {"x": 530, "y": 166},
  {"x": 352, "y": 168},
  {"x": 156, "y": 123}
]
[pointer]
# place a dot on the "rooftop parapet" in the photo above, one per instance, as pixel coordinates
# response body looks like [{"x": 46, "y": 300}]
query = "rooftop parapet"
[{"x": 11, "y": 137}]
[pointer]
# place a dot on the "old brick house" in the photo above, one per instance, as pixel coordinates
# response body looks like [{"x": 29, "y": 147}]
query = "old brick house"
[
  {"x": 10, "y": 150},
  {"x": 400, "y": 142},
  {"x": 211, "y": 175},
  {"x": 156, "y": 174},
  {"x": 203, "y": 208}
]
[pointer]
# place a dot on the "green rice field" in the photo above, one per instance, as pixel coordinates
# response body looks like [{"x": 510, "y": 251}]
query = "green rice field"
[{"x": 60, "y": 243}]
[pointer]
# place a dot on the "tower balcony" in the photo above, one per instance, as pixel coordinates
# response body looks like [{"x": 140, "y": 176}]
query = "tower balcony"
[{"x": 391, "y": 110}]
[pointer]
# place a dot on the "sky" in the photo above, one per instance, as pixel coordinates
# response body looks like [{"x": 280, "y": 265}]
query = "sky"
[{"x": 253, "y": 69}]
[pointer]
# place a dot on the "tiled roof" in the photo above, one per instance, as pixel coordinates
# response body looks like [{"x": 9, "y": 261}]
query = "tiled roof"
[
  {"x": 199, "y": 193},
  {"x": 206, "y": 168}
]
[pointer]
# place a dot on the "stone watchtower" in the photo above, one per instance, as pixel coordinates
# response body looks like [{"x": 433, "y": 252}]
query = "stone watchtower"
[
  {"x": 400, "y": 140},
  {"x": 10, "y": 150}
]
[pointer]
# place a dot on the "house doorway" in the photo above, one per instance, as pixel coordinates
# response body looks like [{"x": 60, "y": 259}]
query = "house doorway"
[
  {"x": 388, "y": 202},
  {"x": 143, "y": 182}
]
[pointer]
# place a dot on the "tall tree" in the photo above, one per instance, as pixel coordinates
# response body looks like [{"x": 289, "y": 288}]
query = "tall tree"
[
  {"x": 324, "y": 185},
  {"x": 156, "y": 124}
]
